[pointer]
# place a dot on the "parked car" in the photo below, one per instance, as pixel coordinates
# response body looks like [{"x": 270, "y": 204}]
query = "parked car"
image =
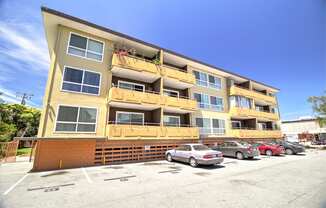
[
  {"x": 269, "y": 149},
  {"x": 240, "y": 150},
  {"x": 291, "y": 147},
  {"x": 195, "y": 154}
]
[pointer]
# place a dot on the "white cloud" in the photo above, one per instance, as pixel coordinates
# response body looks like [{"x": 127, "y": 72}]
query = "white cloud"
[{"x": 22, "y": 43}]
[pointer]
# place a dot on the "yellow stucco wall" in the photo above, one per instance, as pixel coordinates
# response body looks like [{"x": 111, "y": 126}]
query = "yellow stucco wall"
[{"x": 54, "y": 96}]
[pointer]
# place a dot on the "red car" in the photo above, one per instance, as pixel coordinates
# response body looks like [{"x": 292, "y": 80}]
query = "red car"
[{"x": 270, "y": 149}]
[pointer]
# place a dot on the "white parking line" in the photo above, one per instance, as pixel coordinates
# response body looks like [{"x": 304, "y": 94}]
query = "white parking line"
[
  {"x": 13, "y": 186},
  {"x": 86, "y": 175}
]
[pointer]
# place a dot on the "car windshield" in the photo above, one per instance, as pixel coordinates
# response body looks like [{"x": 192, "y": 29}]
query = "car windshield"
[
  {"x": 244, "y": 143},
  {"x": 200, "y": 147}
]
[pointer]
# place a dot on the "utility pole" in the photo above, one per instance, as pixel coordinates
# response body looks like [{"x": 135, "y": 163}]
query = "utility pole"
[{"x": 24, "y": 96}]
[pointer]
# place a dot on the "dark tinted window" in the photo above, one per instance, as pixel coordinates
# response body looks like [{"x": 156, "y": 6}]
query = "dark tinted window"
[{"x": 78, "y": 41}]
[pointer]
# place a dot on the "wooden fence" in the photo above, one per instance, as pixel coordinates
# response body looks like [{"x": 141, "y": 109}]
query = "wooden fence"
[
  {"x": 110, "y": 152},
  {"x": 8, "y": 151}
]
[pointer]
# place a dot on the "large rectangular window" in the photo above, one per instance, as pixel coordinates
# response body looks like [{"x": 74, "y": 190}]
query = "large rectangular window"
[
  {"x": 209, "y": 102},
  {"x": 214, "y": 82},
  {"x": 76, "y": 119},
  {"x": 171, "y": 120},
  {"x": 130, "y": 118},
  {"x": 85, "y": 47},
  {"x": 83, "y": 81},
  {"x": 205, "y": 80},
  {"x": 209, "y": 126},
  {"x": 240, "y": 101}
]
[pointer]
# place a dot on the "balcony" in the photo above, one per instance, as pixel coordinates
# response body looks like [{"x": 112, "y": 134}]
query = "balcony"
[
  {"x": 246, "y": 112},
  {"x": 148, "y": 100},
  {"x": 235, "y": 90},
  {"x": 253, "y": 133},
  {"x": 178, "y": 104},
  {"x": 175, "y": 78},
  {"x": 126, "y": 131},
  {"x": 140, "y": 69},
  {"x": 145, "y": 99}
]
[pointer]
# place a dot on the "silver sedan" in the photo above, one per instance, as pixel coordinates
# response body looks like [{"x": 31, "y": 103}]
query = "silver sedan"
[{"x": 195, "y": 154}]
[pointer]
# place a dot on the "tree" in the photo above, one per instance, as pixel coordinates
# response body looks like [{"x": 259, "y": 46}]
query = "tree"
[
  {"x": 319, "y": 107},
  {"x": 17, "y": 121}
]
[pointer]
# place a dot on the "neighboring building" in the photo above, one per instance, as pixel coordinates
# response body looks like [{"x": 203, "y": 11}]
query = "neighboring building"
[
  {"x": 113, "y": 98},
  {"x": 302, "y": 129}
]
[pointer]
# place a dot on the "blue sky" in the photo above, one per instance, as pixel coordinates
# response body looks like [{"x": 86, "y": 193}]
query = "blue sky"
[{"x": 281, "y": 43}]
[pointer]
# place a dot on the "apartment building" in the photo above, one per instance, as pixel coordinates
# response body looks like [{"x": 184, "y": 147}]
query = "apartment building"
[{"x": 113, "y": 98}]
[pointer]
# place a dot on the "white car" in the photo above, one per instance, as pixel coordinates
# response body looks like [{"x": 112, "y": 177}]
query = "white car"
[{"x": 195, "y": 154}]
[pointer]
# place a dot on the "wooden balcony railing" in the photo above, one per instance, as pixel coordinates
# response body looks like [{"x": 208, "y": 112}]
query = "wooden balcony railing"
[
  {"x": 134, "y": 63},
  {"x": 129, "y": 131},
  {"x": 247, "y": 112},
  {"x": 138, "y": 97},
  {"x": 182, "y": 76},
  {"x": 254, "y": 133}
]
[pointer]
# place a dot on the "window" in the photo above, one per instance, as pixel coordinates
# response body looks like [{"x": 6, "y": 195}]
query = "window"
[
  {"x": 218, "y": 126},
  {"x": 211, "y": 102},
  {"x": 214, "y": 82},
  {"x": 129, "y": 118},
  {"x": 240, "y": 101},
  {"x": 210, "y": 126},
  {"x": 171, "y": 120},
  {"x": 76, "y": 119},
  {"x": 131, "y": 86},
  {"x": 85, "y": 47},
  {"x": 202, "y": 99},
  {"x": 76, "y": 80},
  {"x": 236, "y": 124},
  {"x": 201, "y": 78},
  {"x": 216, "y": 103},
  {"x": 205, "y": 80},
  {"x": 183, "y": 148},
  {"x": 171, "y": 93}
]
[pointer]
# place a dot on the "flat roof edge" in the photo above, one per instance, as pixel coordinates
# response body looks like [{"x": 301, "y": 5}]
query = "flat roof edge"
[{"x": 61, "y": 14}]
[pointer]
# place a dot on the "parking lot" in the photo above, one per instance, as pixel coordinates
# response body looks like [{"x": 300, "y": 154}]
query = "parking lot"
[{"x": 279, "y": 181}]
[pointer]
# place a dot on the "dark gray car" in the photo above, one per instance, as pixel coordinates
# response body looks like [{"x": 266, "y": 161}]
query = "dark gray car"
[
  {"x": 240, "y": 150},
  {"x": 291, "y": 147}
]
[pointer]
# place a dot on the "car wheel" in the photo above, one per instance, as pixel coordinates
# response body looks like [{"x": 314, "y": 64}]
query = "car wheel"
[
  {"x": 239, "y": 156},
  {"x": 193, "y": 162},
  {"x": 169, "y": 157},
  {"x": 269, "y": 153},
  {"x": 289, "y": 151}
]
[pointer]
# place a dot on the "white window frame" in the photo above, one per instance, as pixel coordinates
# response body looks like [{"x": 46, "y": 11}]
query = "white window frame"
[
  {"x": 208, "y": 84},
  {"x": 85, "y": 57},
  {"x": 171, "y": 116},
  {"x": 211, "y": 132},
  {"x": 133, "y": 83},
  {"x": 81, "y": 92},
  {"x": 217, "y": 97},
  {"x": 75, "y": 132},
  {"x": 129, "y": 112},
  {"x": 209, "y": 102},
  {"x": 168, "y": 90}
]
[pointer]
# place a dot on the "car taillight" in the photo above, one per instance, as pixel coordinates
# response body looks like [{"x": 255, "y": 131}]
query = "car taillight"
[{"x": 207, "y": 156}]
